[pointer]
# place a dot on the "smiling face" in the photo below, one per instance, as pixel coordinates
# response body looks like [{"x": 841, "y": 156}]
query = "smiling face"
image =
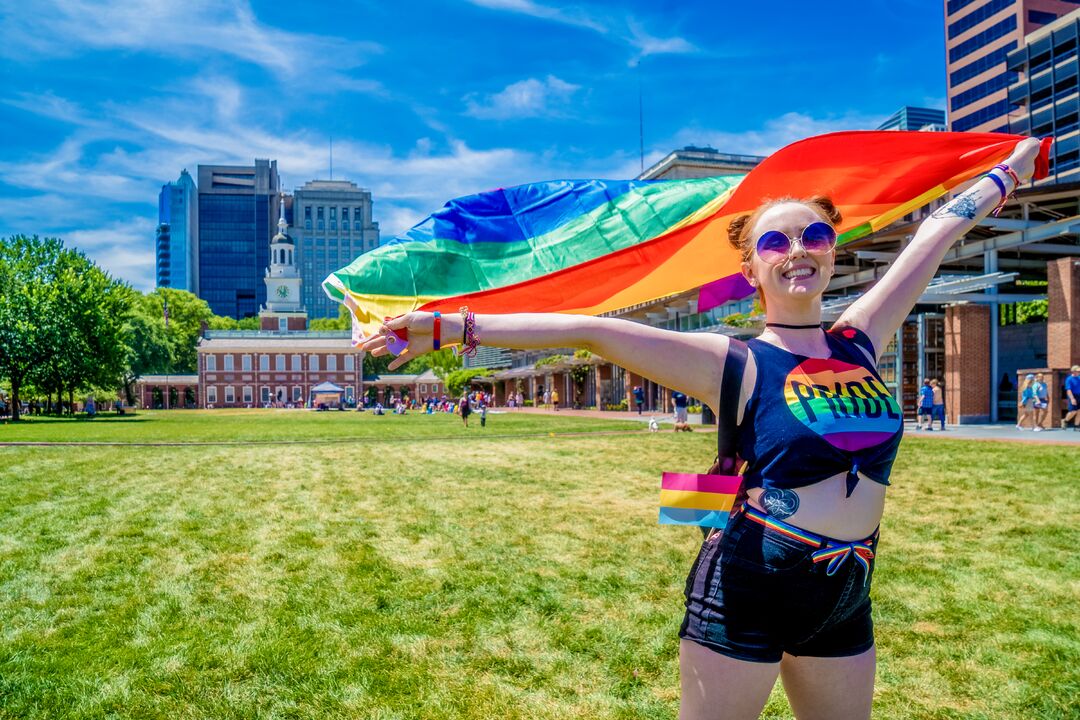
[{"x": 801, "y": 276}]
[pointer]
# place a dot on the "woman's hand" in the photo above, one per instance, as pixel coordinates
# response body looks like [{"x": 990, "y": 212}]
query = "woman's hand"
[
  {"x": 421, "y": 328},
  {"x": 1022, "y": 160}
]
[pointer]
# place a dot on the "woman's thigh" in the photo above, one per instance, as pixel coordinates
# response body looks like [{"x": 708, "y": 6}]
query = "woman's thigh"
[
  {"x": 715, "y": 686},
  {"x": 821, "y": 688}
]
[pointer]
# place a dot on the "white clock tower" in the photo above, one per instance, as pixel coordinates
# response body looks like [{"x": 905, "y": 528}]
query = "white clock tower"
[{"x": 283, "y": 284}]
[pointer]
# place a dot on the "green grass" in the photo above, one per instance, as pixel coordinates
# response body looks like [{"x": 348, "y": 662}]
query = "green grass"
[
  {"x": 478, "y": 577},
  {"x": 284, "y": 426}
]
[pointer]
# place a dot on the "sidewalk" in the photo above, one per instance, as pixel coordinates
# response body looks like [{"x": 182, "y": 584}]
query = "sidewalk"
[{"x": 999, "y": 431}]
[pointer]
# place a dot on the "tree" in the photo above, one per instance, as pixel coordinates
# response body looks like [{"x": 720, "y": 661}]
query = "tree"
[
  {"x": 458, "y": 380},
  {"x": 187, "y": 313},
  {"x": 26, "y": 297},
  {"x": 342, "y": 322}
]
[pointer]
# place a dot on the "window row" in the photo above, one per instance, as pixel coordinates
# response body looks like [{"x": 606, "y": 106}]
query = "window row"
[
  {"x": 228, "y": 363},
  {"x": 980, "y": 40},
  {"x": 321, "y": 216},
  {"x": 266, "y": 394}
]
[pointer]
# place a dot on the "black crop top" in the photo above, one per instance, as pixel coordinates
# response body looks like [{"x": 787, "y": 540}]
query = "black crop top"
[{"x": 811, "y": 418}]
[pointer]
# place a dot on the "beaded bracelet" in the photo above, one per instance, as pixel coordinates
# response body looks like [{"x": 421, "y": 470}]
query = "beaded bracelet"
[{"x": 437, "y": 331}]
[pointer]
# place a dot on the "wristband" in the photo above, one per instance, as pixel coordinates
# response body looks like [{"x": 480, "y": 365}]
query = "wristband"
[
  {"x": 1011, "y": 173},
  {"x": 437, "y": 341},
  {"x": 1004, "y": 193}
]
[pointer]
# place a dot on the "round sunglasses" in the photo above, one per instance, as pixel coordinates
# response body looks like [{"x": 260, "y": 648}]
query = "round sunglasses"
[{"x": 817, "y": 238}]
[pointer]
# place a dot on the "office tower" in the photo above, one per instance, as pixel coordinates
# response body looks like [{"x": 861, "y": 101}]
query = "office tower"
[
  {"x": 979, "y": 34},
  {"x": 331, "y": 226},
  {"x": 1045, "y": 98},
  {"x": 238, "y": 212},
  {"x": 915, "y": 118},
  {"x": 177, "y": 237}
]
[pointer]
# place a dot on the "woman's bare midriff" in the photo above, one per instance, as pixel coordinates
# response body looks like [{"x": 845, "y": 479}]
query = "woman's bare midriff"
[{"x": 824, "y": 509}]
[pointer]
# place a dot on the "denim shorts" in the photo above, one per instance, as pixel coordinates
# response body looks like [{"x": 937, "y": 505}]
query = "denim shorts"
[{"x": 766, "y": 588}]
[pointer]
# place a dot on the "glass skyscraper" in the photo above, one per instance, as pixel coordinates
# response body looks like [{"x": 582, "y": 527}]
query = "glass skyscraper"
[
  {"x": 238, "y": 211},
  {"x": 177, "y": 239},
  {"x": 331, "y": 226}
]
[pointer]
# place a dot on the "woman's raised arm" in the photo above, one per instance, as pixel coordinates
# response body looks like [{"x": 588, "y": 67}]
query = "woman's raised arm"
[
  {"x": 884, "y": 307},
  {"x": 690, "y": 362}
]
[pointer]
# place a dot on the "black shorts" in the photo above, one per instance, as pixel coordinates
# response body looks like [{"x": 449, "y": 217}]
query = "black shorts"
[{"x": 758, "y": 593}]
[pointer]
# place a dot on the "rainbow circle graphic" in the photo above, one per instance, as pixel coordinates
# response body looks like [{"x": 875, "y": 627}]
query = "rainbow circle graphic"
[{"x": 843, "y": 403}]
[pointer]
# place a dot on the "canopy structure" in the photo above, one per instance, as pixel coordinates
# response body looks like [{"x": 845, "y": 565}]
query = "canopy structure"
[
  {"x": 328, "y": 394},
  {"x": 596, "y": 246}
]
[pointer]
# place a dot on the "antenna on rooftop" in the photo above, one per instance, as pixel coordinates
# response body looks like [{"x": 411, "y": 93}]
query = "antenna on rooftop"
[
  {"x": 331, "y": 157},
  {"x": 641, "y": 118}
]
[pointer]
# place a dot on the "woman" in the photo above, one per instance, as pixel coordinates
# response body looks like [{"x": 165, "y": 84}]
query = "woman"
[
  {"x": 1042, "y": 400},
  {"x": 785, "y": 590},
  {"x": 465, "y": 408},
  {"x": 1027, "y": 401}
]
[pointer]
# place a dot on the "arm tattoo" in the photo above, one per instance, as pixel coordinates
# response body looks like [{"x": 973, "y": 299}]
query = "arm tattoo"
[
  {"x": 965, "y": 206},
  {"x": 779, "y": 503}
]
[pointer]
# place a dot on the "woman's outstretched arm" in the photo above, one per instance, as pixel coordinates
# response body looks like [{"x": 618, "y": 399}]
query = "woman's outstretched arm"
[
  {"x": 690, "y": 362},
  {"x": 884, "y": 307}
]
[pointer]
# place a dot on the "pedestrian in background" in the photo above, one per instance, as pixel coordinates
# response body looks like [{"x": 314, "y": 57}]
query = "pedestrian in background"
[
  {"x": 555, "y": 399},
  {"x": 1072, "y": 399},
  {"x": 1042, "y": 401},
  {"x": 926, "y": 406},
  {"x": 639, "y": 398},
  {"x": 938, "y": 409},
  {"x": 1027, "y": 401}
]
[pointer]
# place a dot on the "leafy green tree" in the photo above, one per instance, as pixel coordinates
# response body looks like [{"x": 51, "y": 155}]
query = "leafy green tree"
[
  {"x": 457, "y": 380},
  {"x": 342, "y": 322},
  {"x": 187, "y": 313},
  {"x": 26, "y": 298}
]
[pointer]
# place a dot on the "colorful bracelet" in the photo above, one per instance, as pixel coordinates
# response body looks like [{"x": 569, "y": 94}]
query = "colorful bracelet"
[
  {"x": 1011, "y": 173},
  {"x": 1004, "y": 193},
  {"x": 469, "y": 340},
  {"x": 437, "y": 331}
]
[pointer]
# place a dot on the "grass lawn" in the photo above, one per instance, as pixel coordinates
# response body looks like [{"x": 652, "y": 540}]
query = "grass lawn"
[{"x": 464, "y": 576}]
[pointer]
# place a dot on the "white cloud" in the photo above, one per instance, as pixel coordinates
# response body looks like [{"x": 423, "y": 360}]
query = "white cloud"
[
  {"x": 776, "y": 133},
  {"x": 192, "y": 29},
  {"x": 625, "y": 29},
  {"x": 524, "y": 99},
  {"x": 124, "y": 249},
  {"x": 566, "y": 16}
]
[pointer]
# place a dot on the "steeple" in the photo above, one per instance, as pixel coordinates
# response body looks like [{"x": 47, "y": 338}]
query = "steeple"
[{"x": 282, "y": 277}]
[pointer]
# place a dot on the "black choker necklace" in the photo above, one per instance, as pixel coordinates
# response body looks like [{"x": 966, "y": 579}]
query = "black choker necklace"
[{"x": 794, "y": 327}]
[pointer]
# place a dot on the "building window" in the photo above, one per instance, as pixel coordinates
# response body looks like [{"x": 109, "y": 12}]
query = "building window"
[
  {"x": 357, "y": 226},
  {"x": 980, "y": 40},
  {"x": 245, "y": 363},
  {"x": 321, "y": 223},
  {"x": 345, "y": 218},
  {"x": 230, "y": 394},
  {"x": 279, "y": 363},
  {"x": 264, "y": 394},
  {"x": 1038, "y": 17},
  {"x": 211, "y": 363},
  {"x": 350, "y": 363},
  {"x": 297, "y": 365},
  {"x": 313, "y": 363},
  {"x": 283, "y": 324},
  {"x": 228, "y": 363},
  {"x": 211, "y": 395},
  {"x": 423, "y": 388},
  {"x": 331, "y": 363},
  {"x": 297, "y": 394},
  {"x": 264, "y": 362},
  {"x": 349, "y": 393},
  {"x": 977, "y": 15},
  {"x": 247, "y": 395}
]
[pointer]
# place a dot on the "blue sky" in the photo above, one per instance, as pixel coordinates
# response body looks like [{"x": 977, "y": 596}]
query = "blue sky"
[{"x": 101, "y": 103}]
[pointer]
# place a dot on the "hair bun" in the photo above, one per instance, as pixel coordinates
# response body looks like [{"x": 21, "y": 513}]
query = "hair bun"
[
  {"x": 735, "y": 228},
  {"x": 828, "y": 207}
]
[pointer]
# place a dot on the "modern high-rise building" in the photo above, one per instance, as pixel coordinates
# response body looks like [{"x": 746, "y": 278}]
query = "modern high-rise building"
[
  {"x": 979, "y": 34},
  {"x": 1046, "y": 96},
  {"x": 332, "y": 225},
  {"x": 238, "y": 212},
  {"x": 915, "y": 118},
  {"x": 177, "y": 238}
]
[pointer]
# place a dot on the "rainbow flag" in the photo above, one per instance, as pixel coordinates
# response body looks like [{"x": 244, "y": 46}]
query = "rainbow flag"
[
  {"x": 704, "y": 500},
  {"x": 593, "y": 246}
]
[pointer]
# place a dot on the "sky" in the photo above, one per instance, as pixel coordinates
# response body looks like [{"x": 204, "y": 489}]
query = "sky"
[{"x": 102, "y": 103}]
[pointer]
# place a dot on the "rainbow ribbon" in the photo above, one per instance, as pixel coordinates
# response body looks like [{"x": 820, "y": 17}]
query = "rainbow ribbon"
[{"x": 836, "y": 553}]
